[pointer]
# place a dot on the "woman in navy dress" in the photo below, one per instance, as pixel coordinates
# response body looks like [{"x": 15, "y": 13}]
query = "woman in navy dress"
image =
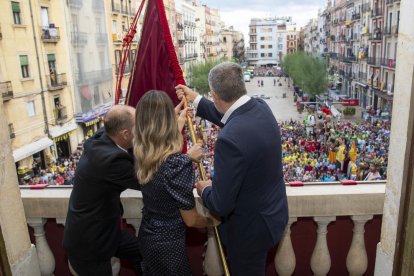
[{"x": 167, "y": 179}]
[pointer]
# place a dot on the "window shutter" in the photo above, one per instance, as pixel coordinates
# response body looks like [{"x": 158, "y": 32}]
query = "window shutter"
[
  {"x": 24, "y": 60},
  {"x": 51, "y": 57},
  {"x": 15, "y": 6}
]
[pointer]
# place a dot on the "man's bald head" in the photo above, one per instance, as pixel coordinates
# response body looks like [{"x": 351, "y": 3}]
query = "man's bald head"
[{"x": 118, "y": 118}]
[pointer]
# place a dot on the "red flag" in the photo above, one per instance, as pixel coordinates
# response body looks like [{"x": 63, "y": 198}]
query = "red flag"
[{"x": 156, "y": 65}]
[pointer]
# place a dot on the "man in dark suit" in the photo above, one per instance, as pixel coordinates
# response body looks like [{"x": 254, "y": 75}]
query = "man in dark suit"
[
  {"x": 92, "y": 231},
  {"x": 247, "y": 190}
]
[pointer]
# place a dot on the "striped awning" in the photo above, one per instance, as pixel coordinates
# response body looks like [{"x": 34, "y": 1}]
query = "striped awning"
[{"x": 93, "y": 122}]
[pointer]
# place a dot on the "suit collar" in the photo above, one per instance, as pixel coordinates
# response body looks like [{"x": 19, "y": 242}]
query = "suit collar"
[
  {"x": 242, "y": 109},
  {"x": 237, "y": 104}
]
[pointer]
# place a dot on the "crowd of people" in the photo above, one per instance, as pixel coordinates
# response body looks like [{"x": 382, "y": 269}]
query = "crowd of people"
[
  {"x": 321, "y": 149},
  {"x": 333, "y": 151},
  {"x": 60, "y": 172}
]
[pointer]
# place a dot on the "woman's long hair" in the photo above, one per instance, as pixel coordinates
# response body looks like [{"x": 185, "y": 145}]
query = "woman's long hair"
[{"x": 156, "y": 134}]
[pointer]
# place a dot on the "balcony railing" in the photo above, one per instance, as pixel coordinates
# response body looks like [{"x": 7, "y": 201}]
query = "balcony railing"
[
  {"x": 313, "y": 210},
  {"x": 56, "y": 82},
  {"x": 388, "y": 62},
  {"x": 101, "y": 38},
  {"x": 374, "y": 61},
  {"x": 388, "y": 2},
  {"x": 79, "y": 38},
  {"x": 51, "y": 35},
  {"x": 362, "y": 76},
  {"x": 375, "y": 36},
  {"x": 61, "y": 115},
  {"x": 356, "y": 16},
  {"x": 6, "y": 90},
  {"x": 376, "y": 12}
]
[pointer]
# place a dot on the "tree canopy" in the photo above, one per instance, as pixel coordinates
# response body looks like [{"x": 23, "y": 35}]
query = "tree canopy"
[
  {"x": 198, "y": 75},
  {"x": 307, "y": 72}
]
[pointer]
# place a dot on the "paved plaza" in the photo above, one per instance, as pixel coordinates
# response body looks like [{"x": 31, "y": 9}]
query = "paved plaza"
[{"x": 283, "y": 108}]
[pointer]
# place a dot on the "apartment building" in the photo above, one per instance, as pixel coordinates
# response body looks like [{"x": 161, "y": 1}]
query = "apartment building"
[
  {"x": 36, "y": 82},
  {"x": 362, "y": 39},
  {"x": 119, "y": 17},
  {"x": 231, "y": 44},
  {"x": 270, "y": 40}
]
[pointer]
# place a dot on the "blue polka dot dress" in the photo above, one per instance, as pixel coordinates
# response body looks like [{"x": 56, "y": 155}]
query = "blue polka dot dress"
[{"x": 162, "y": 231}]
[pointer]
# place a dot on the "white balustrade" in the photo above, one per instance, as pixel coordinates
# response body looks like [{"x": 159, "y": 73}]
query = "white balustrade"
[
  {"x": 44, "y": 254},
  {"x": 321, "y": 260},
  {"x": 357, "y": 259},
  {"x": 323, "y": 203},
  {"x": 285, "y": 260}
]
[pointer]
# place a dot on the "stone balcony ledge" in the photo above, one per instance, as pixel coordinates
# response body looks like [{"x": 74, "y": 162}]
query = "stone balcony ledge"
[
  {"x": 306, "y": 201},
  {"x": 322, "y": 203}
]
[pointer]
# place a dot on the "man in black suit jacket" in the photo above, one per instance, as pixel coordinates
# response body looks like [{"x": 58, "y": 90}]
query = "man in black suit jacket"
[
  {"x": 92, "y": 231},
  {"x": 247, "y": 190}
]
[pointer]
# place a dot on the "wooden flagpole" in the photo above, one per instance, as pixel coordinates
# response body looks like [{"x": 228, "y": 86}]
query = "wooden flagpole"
[{"x": 203, "y": 177}]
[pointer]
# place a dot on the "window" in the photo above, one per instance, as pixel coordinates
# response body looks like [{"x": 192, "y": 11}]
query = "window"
[
  {"x": 16, "y": 13},
  {"x": 113, "y": 26},
  {"x": 266, "y": 30},
  {"x": 24, "y": 66},
  {"x": 269, "y": 46},
  {"x": 262, "y": 46},
  {"x": 270, "y": 55},
  {"x": 31, "y": 110},
  {"x": 224, "y": 39},
  {"x": 262, "y": 55}
]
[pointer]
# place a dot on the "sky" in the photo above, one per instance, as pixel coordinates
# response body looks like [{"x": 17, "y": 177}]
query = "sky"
[{"x": 238, "y": 13}]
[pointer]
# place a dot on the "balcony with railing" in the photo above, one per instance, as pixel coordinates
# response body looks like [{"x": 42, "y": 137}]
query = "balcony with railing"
[
  {"x": 56, "y": 81},
  {"x": 377, "y": 36},
  {"x": 362, "y": 76},
  {"x": 366, "y": 7},
  {"x": 389, "y": 2},
  {"x": 388, "y": 62},
  {"x": 377, "y": 12},
  {"x": 373, "y": 61},
  {"x": 6, "y": 90},
  {"x": 61, "y": 115},
  {"x": 356, "y": 16},
  {"x": 50, "y": 34},
  {"x": 351, "y": 214},
  {"x": 79, "y": 38}
]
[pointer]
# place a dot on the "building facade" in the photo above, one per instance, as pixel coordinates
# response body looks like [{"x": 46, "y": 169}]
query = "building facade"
[
  {"x": 36, "y": 83},
  {"x": 362, "y": 38},
  {"x": 270, "y": 40}
]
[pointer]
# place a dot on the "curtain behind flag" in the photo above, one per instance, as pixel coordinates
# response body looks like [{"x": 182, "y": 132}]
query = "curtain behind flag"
[{"x": 156, "y": 64}]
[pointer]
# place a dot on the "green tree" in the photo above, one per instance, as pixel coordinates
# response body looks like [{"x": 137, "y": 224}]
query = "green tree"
[
  {"x": 307, "y": 72},
  {"x": 198, "y": 75}
]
